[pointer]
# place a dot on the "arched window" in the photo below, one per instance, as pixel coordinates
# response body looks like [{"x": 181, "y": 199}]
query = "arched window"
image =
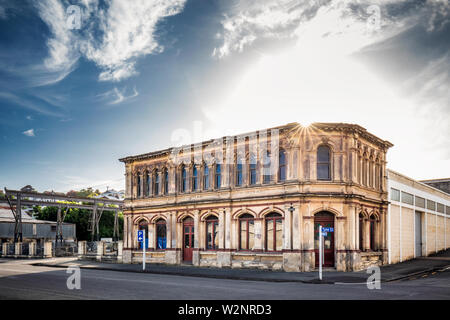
[
  {"x": 239, "y": 173},
  {"x": 274, "y": 232},
  {"x": 156, "y": 191},
  {"x": 183, "y": 179},
  {"x": 161, "y": 234},
  {"x": 138, "y": 182},
  {"x": 266, "y": 168},
  {"x": 361, "y": 232},
  {"x": 253, "y": 173},
  {"x": 372, "y": 232},
  {"x": 212, "y": 230},
  {"x": 194, "y": 178},
  {"x": 246, "y": 232},
  {"x": 205, "y": 177},
  {"x": 218, "y": 177},
  {"x": 323, "y": 163},
  {"x": 147, "y": 184},
  {"x": 166, "y": 181},
  {"x": 282, "y": 165}
]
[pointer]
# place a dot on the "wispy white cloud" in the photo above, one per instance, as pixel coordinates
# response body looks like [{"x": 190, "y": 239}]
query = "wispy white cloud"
[
  {"x": 117, "y": 96},
  {"x": 29, "y": 133},
  {"x": 113, "y": 37},
  {"x": 31, "y": 105}
]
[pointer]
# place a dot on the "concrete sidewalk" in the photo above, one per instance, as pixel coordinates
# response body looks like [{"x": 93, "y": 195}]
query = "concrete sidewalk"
[{"x": 393, "y": 272}]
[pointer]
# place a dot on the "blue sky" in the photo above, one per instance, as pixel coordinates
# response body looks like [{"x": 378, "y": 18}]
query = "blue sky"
[{"x": 136, "y": 76}]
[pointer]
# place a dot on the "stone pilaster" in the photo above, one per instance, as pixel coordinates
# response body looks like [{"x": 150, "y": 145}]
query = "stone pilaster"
[
  {"x": 287, "y": 225},
  {"x": 222, "y": 228},
  {"x": 227, "y": 228}
]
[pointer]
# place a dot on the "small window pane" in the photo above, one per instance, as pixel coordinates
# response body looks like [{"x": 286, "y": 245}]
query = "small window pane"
[
  {"x": 440, "y": 208},
  {"x": 407, "y": 198},
  {"x": 251, "y": 234},
  {"x": 395, "y": 194},
  {"x": 323, "y": 172},
  {"x": 186, "y": 240},
  {"x": 279, "y": 234},
  {"x": 269, "y": 234},
  {"x": 239, "y": 174},
  {"x": 431, "y": 205},
  {"x": 216, "y": 235},
  {"x": 209, "y": 235},
  {"x": 243, "y": 234},
  {"x": 323, "y": 154},
  {"x": 420, "y": 202}
]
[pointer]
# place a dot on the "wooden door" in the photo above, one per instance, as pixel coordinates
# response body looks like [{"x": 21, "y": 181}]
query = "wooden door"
[
  {"x": 188, "y": 239},
  {"x": 325, "y": 219}
]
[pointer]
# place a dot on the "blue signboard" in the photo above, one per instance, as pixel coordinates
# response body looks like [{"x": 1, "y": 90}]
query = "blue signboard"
[
  {"x": 327, "y": 229},
  {"x": 141, "y": 235}
]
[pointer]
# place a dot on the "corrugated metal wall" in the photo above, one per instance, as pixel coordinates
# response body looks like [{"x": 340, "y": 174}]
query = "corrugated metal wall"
[{"x": 42, "y": 230}]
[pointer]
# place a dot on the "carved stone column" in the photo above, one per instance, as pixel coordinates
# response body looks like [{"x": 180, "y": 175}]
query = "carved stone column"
[
  {"x": 196, "y": 252},
  {"x": 227, "y": 228},
  {"x": 221, "y": 228},
  {"x": 287, "y": 226},
  {"x": 308, "y": 256},
  {"x": 152, "y": 236},
  {"x": 172, "y": 179}
]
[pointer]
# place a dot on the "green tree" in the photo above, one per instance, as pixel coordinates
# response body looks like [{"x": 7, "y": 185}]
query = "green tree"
[{"x": 80, "y": 217}]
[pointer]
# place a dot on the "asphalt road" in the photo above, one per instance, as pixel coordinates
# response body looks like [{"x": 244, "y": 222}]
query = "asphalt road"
[{"x": 20, "y": 280}]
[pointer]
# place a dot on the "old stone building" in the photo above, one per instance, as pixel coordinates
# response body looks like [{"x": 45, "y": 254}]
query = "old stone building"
[{"x": 257, "y": 200}]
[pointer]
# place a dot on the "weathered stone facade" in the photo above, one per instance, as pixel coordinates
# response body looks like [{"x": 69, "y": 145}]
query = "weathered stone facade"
[{"x": 241, "y": 217}]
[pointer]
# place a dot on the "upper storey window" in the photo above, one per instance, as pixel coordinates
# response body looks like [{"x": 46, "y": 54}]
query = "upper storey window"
[
  {"x": 266, "y": 168},
  {"x": 323, "y": 163},
  {"x": 282, "y": 166},
  {"x": 166, "y": 181},
  {"x": 253, "y": 173},
  {"x": 183, "y": 179},
  {"x": 147, "y": 184},
  {"x": 156, "y": 191},
  {"x": 138, "y": 182},
  {"x": 239, "y": 173},
  {"x": 206, "y": 177},
  {"x": 194, "y": 179},
  {"x": 218, "y": 177}
]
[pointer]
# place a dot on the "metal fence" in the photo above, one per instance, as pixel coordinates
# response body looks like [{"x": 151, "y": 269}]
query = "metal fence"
[
  {"x": 110, "y": 248},
  {"x": 64, "y": 249},
  {"x": 91, "y": 247}
]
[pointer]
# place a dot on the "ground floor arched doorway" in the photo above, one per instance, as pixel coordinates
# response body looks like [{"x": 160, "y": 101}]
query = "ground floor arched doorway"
[
  {"x": 188, "y": 238},
  {"x": 324, "y": 219}
]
